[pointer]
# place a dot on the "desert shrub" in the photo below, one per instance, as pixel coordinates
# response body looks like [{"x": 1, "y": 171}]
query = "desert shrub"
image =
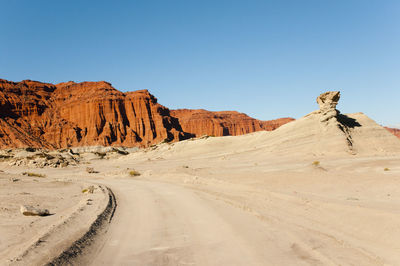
[
  {"x": 386, "y": 169},
  {"x": 33, "y": 174},
  {"x": 134, "y": 173},
  {"x": 316, "y": 163},
  {"x": 89, "y": 190}
]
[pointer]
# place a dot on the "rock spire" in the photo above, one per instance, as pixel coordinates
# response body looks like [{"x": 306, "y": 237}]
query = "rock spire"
[{"x": 327, "y": 104}]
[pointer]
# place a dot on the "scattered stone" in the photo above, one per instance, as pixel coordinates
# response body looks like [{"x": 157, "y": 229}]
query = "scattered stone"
[
  {"x": 41, "y": 158},
  {"x": 91, "y": 170},
  {"x": 32, "y": 211}
]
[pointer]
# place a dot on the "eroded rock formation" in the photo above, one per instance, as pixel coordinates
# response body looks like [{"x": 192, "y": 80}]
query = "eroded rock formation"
[
  {"x": 43, "y": 115},
  {"x": 227, "y": 123},
  {"x": 327, "y": 105},
  {"x": 38, "y": 114}
]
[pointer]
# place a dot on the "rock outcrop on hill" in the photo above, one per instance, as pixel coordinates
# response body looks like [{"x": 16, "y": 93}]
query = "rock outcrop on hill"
[
  {"x": 327, "y": 131},
  {"x": 394, "y": 131},
  {"x": 310, "y": 139},
  {"x": 43, "y": 115},
  {"x": 327, "y": 105},
  {"x": 227, "y": 123}
]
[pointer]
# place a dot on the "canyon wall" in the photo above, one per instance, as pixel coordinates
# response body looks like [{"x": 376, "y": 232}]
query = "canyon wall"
[
  {"x": 37, "y": 114},
  {"x": 226, "y": 123},
  {"x": 69, "y": 114}
]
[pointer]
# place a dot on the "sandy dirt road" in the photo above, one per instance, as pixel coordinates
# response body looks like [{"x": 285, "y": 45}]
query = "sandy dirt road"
[{"x": 163, "y": 224}]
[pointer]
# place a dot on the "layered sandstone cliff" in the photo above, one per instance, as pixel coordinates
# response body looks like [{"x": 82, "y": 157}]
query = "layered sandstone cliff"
[
  {"x": 227, "y": 123},
  {"x": 36, "y": 114},
  {"x": 81, "y": 114}
]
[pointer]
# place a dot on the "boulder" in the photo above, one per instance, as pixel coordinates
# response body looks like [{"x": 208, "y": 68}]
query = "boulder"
[{"x": 32, "y": 211}]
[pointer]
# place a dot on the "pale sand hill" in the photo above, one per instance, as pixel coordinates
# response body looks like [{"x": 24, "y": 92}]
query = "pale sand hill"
[
  {"x": 262, "y": 199},
  {"x": 322, "y": 190},
  {"x": 306, "y": 137}
]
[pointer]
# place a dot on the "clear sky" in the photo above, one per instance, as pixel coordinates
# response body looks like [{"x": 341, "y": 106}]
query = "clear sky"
[{"x": 268, "y": 59}]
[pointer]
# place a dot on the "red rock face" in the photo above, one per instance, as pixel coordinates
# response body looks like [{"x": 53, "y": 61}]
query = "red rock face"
[
  {"x": 395, "y": 131},
  {"x": 227, "y": 123},
  {"x": 69, "y": 114},
  {"x": 36, "y": 114}
]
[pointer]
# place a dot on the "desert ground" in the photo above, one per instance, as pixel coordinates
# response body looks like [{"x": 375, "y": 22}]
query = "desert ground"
[{"x": 309, "y": 193}]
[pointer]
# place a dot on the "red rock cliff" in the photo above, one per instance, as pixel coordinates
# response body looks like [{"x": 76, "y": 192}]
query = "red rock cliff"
[
  {"x": 226, "y": 123},
  {"x": 36, "y": 114},
  {"x": 395, "y": 131},
  {"x": 81, "y": 114}
]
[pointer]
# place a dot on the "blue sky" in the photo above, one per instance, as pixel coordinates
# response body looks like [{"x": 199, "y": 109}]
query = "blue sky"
[{"x": 268, "y": 59}]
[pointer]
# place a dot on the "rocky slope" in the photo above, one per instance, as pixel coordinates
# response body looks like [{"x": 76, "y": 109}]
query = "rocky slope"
[
  {"x": 227, "y": 123},
  {"x": 36, "y": 114}
]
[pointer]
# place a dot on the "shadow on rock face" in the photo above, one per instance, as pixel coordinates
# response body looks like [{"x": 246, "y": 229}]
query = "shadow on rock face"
[{"x": 348, "y": 121}]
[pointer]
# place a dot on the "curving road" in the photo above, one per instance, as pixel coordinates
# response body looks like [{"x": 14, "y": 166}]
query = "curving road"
[{"x": 163, "y": 224}]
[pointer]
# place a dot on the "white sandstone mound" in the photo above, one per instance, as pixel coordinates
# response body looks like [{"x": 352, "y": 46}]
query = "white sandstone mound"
[
  {"x": 323, "y": 132},
  {"x": 327, "y": 131}
]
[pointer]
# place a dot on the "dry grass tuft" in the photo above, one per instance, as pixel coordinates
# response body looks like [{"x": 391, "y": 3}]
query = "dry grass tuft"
[
  {"x": 134, "y": 173},
  {"x": 33, "y": 174},
  {"x": 316, "y": 163},
  {"x": 89, "y": 190}
]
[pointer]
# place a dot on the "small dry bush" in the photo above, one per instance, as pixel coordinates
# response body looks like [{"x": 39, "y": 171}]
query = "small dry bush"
[
  {"x": 33, "y": 174},
  {"x": 316, "y": 163},
  {"x": 89, "y": 190},
  {"x": 134, "y": 173}
]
